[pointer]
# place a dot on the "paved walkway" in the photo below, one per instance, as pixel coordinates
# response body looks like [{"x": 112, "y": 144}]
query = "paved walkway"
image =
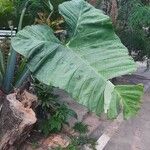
[{"x": 134, "y": 134}]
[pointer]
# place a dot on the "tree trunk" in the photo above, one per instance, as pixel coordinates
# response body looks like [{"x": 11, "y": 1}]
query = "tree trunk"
[
  {"x": 16, "y": 121},
  {"x": 110, "y": 7},
  {"x": 114, "y": 11},
  {"x": 93, "y": 2}
]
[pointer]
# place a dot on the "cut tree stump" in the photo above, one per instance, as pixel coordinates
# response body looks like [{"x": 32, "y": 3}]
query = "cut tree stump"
[{"x": 16, "y": 122}]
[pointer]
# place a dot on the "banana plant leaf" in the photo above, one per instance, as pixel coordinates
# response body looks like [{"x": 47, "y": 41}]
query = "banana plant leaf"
[{"x": 84, "y": 65}]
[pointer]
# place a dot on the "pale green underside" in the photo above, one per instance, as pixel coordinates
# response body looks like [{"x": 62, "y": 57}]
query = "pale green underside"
[{"x": 82, "y": 67}]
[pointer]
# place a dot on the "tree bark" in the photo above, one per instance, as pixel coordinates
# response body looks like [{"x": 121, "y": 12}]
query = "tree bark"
[
  {"x": 110, "y": 7},
  {"x": 114, "y": 11},
  {"x": 93, "y": 2},
  {"x": 16, "y": 121}
]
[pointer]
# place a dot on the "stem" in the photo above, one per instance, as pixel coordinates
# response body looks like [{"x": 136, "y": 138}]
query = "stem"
[
  {"x": 11, "y": 64},
  {"x": 25, "y": 74},
  {"x": 2, "y": 63},
  {"x": 51, "y": 8},
  {"x": 22, "y": 16}
]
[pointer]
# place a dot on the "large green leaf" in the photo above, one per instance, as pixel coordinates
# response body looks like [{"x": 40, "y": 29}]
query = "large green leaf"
[{"x": 82, "y": 67}]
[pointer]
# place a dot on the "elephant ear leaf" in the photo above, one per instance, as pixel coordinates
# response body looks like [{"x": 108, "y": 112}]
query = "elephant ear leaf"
[{"x": 84, "y": 65}]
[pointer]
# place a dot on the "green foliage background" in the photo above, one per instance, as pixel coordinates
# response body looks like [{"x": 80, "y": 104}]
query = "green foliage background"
[
  {"x": 12, "y": 10},
  {"x": 133, "y": 16}
]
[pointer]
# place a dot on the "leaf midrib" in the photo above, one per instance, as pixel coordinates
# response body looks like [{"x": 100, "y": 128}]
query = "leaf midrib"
[{"x": 77, "y": 24}]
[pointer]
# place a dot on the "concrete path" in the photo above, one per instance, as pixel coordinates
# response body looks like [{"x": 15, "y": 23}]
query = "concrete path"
[{"x": 134, "y": 134}]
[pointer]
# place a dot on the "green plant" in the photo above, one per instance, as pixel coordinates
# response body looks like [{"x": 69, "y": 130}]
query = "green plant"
[
  {"x": 80, "y": 127},
  {"x": 52, "y": 112},
  {"x": 34, "y": 7},
  {"x": 14, "y": 73},
  {"x": 6, "y": 6},
  {"x": 2, "y": 67},
  {"x": 133, "y": 18},
  {"x": 84, "y": 65},
  {"x": 54, "y": 122},
  {"x": 11, "y": 9},
  {"x": 47, "y": 99}
]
